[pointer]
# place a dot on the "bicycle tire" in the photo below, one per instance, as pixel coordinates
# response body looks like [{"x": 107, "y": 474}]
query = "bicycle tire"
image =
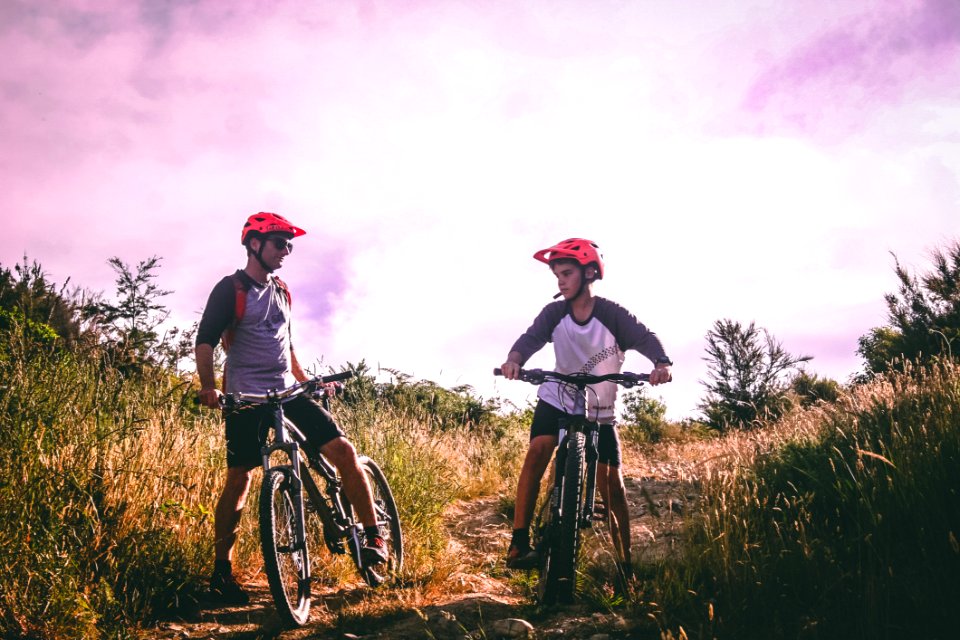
[
  {"x": 564, "y": 563},
  {"x": 544, "y": 535},
  {"x": 286, "y": 567},
  {"x": 388, "y": 521}
]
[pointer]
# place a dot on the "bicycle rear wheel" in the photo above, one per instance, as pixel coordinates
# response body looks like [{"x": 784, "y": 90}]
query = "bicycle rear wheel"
[
  {"x": 286, "y": 566},
  {"x": 388, "y": 521}
]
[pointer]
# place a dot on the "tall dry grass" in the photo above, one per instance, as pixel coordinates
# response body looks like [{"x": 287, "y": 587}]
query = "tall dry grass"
[
  {"x": 840, "y": 521},
  {"x": 108, "y": 482},
  {"x": 98, "y": 527}
]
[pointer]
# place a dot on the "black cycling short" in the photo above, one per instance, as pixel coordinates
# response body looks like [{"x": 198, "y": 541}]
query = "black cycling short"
[
  {"x": 546, "y": 422},
  {"x": 247, "y": 429}
]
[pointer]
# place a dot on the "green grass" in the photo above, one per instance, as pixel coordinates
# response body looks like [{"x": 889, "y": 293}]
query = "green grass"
[
  {"x": 842, "y": 524},
  {"x": 108, "y": 482},
  {"x": 840, "y": 521},
  {"x": 91, "y": 468}
]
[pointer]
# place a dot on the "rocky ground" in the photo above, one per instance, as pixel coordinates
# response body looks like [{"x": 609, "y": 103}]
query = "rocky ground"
[{"x": 482, "y": 597}]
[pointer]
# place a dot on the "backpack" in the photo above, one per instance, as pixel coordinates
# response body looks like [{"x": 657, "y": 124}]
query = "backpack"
[{"x": 240, "y": 288}]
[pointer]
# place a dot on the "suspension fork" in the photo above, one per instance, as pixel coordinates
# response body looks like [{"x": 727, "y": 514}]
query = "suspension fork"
[
  {"x": 558, "y": 467},
  {"x": 592, "y": 455},
  {"x": 292, "y": 450}
]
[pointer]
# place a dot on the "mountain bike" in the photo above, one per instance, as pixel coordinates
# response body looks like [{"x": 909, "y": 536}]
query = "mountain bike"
[
  {"x": 570, "y": 503},
  {"x": 291, "y": 491}
]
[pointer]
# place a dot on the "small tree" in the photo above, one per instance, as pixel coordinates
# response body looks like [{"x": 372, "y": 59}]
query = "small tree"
[
  {"x": 745, "y": 368},
  {"x": 132, "y": 321},
  {"x": 923, "y": 316}
]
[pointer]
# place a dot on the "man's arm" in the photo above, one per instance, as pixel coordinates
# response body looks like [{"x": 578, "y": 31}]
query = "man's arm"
[
  {"x": 216, "y": 316},
  {"x": 533, "y": 339},
  {"x": 633, "y": 334},
  {"x": 295, "y": 367},
  {"x": 209, "y": 394}
]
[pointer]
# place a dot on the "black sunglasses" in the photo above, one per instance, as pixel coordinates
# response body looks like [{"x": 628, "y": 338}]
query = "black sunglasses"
[{"x": 281, "y": 243}]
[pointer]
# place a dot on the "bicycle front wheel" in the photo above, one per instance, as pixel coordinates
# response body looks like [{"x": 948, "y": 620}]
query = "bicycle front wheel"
[
  {"x": 544, "y": 538},
  {"x": 388, "y": 521},
  {"x": 564, "y": 561},
  {"x": 285, "y": 563}
]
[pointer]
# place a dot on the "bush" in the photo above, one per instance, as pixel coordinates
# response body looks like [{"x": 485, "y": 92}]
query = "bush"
[
  {"x": 847, "y": 530},
  {"x": 90, "y": 458},
  {"x": 642, "y": 417}
]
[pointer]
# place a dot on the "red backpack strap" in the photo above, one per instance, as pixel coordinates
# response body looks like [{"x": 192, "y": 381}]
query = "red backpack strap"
[
  {"x": 240, "y": 289},
  {"x": 286, "y": 290}
]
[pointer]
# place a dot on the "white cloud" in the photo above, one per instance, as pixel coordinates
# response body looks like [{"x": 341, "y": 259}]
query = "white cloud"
[{"x": 430, "y": 150}]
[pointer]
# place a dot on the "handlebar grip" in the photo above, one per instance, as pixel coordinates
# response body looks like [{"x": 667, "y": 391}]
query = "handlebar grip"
[
  {"x": 337, "y": 377},
  {"x": 498, "y": 371}
]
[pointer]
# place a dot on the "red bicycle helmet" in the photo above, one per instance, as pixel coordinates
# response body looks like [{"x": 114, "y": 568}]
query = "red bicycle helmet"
[
  {"x": 265, "y": 222},
  {"x": 579, "y": 249}
]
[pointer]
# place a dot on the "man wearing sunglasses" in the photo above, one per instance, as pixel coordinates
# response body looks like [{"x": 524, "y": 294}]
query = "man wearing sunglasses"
[{"x": 250, "y": 312}]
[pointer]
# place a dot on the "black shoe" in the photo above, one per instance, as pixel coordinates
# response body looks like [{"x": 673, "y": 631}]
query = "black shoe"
[
  {"x": 224, "y": 589},
  {"x": 522, "y": 557},
  {"x": 374, "y": 551}
]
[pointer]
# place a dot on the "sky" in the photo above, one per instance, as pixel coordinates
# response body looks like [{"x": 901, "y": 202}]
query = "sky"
[{"x": 759, "y": 161}]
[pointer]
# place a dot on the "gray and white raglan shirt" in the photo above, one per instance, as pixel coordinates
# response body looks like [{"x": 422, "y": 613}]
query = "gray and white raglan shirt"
[
  {"x": 596, "y": 347},
  {"x": 259, "y": 357}
]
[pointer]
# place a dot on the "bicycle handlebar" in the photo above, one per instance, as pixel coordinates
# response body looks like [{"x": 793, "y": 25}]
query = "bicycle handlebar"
[
  {"x": 581, "y": 380},
  {"x": 307, "y": 386}
]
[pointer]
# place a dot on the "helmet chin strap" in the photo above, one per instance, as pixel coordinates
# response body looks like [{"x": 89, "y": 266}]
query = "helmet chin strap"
[{"x": 259, "y": 256}]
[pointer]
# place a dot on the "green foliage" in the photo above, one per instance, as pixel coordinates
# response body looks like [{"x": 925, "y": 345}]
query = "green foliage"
[
  {"x": 810, "y": 388},
  {"x": 923, "y": 316},
  {"x": 131, "y": 323},
  {"x": 849, "y": 533},
  {"x": 38, "y": 333},
  {"x": 426, "y": 401},
  {"x": 745, "y": 370},
  {"x": 36, "y": 305},
  {"x": 89, "y": 457},
  {"x": 642, "y": 417}
]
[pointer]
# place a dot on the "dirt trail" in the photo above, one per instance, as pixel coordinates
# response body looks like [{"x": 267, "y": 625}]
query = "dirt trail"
[{"x": 478, "y": 591}]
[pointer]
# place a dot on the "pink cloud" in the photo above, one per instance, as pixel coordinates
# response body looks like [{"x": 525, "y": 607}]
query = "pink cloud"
[{"x": 834, "y": 81}]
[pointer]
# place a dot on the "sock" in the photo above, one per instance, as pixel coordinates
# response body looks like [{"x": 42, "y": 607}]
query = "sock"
[
  {"x": 371, "y": 532},
  {"x": 521, "y": 538},
  {"x": 222, "y": 567}
]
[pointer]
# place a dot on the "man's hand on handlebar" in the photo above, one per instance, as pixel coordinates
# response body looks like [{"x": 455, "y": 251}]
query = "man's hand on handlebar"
[
  {"x": 331, "y": 389},
  {"x": 510, "y": 370},
  {"x": 210, "y": 397},
  {"x": 660, "y": 374}
]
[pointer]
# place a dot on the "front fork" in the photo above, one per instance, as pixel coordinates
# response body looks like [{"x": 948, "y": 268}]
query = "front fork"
[
  {"x": 559, "y": 465},
  {"x": 292, "y": 450},
  {"x": 586, "y": 517}
]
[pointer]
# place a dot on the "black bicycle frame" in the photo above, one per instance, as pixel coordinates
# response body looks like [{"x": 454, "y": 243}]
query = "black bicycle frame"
[{"x": 330, "y": 507}]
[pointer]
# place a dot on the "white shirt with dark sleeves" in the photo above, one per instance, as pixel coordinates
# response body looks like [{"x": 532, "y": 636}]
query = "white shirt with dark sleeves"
[{"x": 596, "y": 346}]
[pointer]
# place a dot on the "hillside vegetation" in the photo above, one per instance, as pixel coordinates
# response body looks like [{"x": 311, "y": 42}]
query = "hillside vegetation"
[
  {"x": 824, "y": 511},
  {"x": 839, "y": 521},
  {"x": 107, "y": 485}
]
